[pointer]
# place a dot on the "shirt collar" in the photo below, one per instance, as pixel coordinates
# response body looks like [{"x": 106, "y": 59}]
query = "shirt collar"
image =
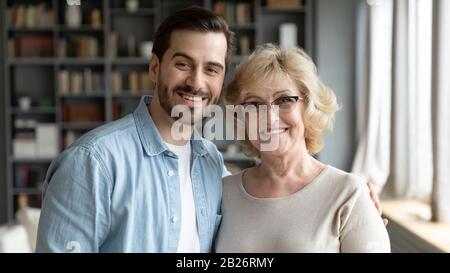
[{"x": 151, "y": 140}]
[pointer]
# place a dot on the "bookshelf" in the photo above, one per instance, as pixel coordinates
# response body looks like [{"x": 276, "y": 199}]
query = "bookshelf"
[{"x": 63, "y": 79}]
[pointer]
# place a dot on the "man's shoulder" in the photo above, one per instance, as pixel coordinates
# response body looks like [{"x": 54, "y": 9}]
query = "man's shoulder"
[{"x": 109, "y": 132}]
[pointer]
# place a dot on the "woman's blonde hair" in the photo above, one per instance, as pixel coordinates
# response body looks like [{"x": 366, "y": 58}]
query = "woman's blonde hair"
[{"x": 269, "y": 61}]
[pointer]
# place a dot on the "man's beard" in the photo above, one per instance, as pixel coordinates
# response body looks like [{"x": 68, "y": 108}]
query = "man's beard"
[{"x": 165, "y": 103}]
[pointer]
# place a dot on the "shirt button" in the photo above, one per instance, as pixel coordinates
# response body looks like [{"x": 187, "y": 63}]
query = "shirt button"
[
  {"x": 170, "y": 173},
  {"x": 174, "y": 219}
]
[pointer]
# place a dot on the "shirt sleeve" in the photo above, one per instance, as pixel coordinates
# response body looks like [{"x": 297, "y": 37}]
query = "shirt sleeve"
[
  {"x": 362, "y": 228},
  {"x": 75, "y": 210}
]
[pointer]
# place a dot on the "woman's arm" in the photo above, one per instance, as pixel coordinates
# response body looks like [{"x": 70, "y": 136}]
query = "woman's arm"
[{"x": 362, "y": 228}]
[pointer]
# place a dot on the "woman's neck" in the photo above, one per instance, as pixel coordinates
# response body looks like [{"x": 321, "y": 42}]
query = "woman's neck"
[{"x": 285, "y": 174}]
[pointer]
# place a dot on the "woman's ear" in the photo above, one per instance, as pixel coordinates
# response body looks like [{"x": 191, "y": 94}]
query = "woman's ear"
[{"x": 153, "y": 69}]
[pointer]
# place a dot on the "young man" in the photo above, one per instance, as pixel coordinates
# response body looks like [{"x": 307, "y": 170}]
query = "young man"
[{"x": 131, "y": 186}]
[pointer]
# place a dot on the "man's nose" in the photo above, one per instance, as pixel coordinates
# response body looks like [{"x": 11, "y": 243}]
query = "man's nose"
[{"x": 196, "y": 80}]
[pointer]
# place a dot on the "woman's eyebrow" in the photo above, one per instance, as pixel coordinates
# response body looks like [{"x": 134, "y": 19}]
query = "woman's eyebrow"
[{"x": 282, "y": 91}]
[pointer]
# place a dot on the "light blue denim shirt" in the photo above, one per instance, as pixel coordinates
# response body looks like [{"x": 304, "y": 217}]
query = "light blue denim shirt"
[{"x": 117, "y": 189}]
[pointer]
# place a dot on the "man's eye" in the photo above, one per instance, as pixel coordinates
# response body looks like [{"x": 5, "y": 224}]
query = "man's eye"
[
  {"x": 182, "y": 65},
  {"x": 212, "y": 71}
]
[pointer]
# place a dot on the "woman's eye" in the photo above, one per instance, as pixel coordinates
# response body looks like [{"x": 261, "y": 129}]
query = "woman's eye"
[
  {"x": 253, "y": 103},
  {"x": 284, "y": 100}
]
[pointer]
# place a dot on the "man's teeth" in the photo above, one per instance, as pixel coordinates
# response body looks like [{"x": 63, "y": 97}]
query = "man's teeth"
[{"x": 191, "y": 98}]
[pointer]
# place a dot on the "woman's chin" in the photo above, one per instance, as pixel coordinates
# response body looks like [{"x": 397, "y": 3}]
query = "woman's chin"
[{"x": 274, "y": 149}]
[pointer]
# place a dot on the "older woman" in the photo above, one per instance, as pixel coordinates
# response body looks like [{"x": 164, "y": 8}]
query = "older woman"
[{"x": 291, "y": 202}]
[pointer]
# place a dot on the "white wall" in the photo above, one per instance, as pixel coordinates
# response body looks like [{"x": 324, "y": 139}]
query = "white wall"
[{"x": 335, "y": 59}]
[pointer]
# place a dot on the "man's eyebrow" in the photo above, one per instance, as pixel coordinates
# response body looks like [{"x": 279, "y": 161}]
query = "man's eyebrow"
[
  {"x": 184, "y": 55},
  {"x": 216, "y": 64},
  {"x": 181, "y": 54}
]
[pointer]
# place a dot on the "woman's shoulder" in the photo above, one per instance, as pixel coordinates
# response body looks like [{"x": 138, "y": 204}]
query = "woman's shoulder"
[
  {"x": 346, "y": 181},
  {"x": 232, "y": 180}
]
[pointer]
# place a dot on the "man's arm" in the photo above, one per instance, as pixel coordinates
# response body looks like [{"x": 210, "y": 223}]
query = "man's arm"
[
  {"x": 75, "y": 211},
  {"x": 376, "y": 200}
]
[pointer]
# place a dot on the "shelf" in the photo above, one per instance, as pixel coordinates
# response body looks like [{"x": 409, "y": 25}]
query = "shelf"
[
  {"x": 80, "y": 125},
  {"x": 85, "y": 28},
  {"x": 34, "y": 110},
  {"x": 83, "y": 96},
  {"x": 283, "y": 10},
  {"x": 31, "y": 191},
  {"x": 32, "y": 61},
  {"x": 128, "y": 95},
  {"x": 31, "y": 160},
  {"x": 40, "y": 75},
  {"x": 81, "y": 61},
  {"x": 130, "y": 61},
  {"x": 140, "y": 12},
  {"x": 36, "y": 30},
  {"x": 250, "y": 26}
]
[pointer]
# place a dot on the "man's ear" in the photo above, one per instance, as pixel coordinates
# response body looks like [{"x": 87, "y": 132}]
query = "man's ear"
[{"x": 153, "y": 69}]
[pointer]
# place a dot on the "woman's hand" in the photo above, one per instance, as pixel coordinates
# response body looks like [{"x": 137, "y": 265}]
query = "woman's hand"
[{"x": 376, "y": 201}]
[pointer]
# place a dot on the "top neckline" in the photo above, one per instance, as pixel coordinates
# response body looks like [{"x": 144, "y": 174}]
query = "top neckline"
[{"x": 281, "y": 198}]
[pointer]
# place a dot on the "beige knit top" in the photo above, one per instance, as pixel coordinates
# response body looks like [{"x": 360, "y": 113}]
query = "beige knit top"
[{"x": 333, "y": 213}]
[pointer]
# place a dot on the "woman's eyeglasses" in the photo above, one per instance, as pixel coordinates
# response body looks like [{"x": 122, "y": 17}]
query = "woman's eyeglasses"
[{"x": 284, "y": 103}]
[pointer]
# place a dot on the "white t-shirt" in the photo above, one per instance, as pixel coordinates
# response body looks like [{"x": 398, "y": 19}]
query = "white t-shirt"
[{"x": 189, "y": 241}]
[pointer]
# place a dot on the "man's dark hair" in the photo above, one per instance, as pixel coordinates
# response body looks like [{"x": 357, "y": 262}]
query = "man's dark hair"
[{"x": 193, "y": 18}]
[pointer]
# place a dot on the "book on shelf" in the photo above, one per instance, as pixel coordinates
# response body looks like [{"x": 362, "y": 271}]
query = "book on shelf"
[
  {"x": 22, "y": 176},
  {"x": 243, "y": 13},
  {"x": 30, "y": 16},
  {"x": 144, "y": 81},
  {"x": 87, "y": 47},
  {"x": 11, "y": 48},
  {"x": 113, "y": 44},
  {"x": 234, "y": 13},
  {"x": 28, "y": 176},
  {"x": 137, "y": 82},
  {"x": 43, "y": 142},
  {"x": 284, "y": 4},
  {"x": 96, "y": 18},
  {"x": 47, "y": 140},
  {"x": 116, "y": 82},
  {"x": 32, "y": 46},
  {"x": 133, "y": 82},
  {"x": 87, "y": 112},
  {"x": 80, "y": 82},
  {"x": 63, "y": 82},
  {"x": 62, "y": 48},
  {"x": 88, "y": 81},
  {"x": 244, "y": 45},
  {"x": 76, "y": 82}
]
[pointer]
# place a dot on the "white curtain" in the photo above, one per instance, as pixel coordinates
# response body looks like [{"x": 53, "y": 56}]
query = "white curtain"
[
  {"x": 373, "y": 90},
  {"x": 411, "y": 150},
  {"x": 394, "y": 91},
  {"x": 441, "y": 111}
]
